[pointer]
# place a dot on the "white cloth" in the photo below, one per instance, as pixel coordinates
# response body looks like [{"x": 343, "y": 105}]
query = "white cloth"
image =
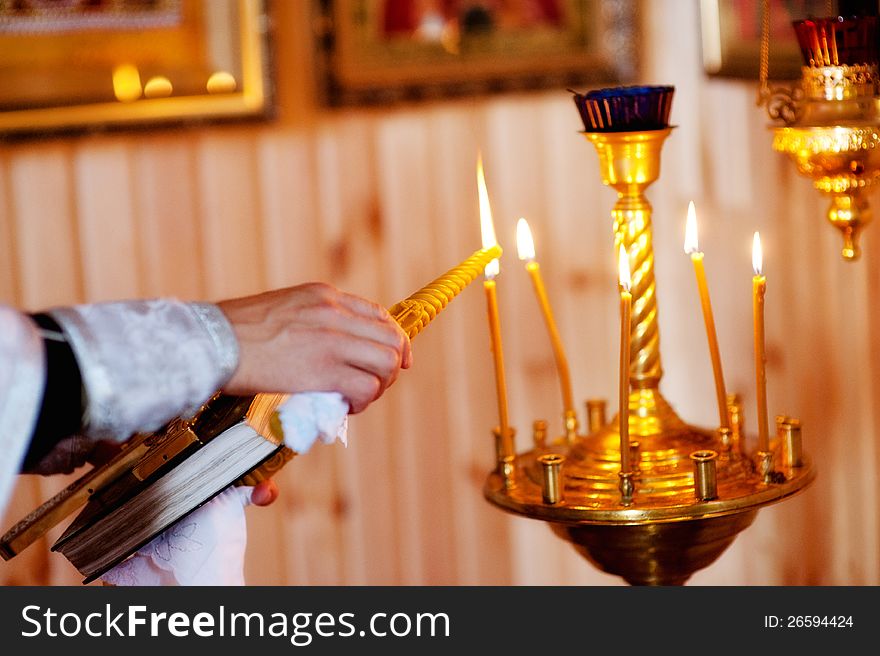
[
  {"x": 204, "y": 548},
  {"x": 207, "y": 547},
  {"x": 311, "y": 416}
]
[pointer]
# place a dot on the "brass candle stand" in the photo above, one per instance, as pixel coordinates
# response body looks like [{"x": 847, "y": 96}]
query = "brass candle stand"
[{"x": 694, "y": 489}]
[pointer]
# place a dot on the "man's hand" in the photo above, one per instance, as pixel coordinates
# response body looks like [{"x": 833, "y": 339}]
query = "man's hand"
[{"x": 314, "y": 337}]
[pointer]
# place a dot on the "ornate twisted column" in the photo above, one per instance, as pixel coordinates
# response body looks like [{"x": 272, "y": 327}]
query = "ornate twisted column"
[
  {"x": 630, "y": 162},
  {"x": 632, "y": 229}
]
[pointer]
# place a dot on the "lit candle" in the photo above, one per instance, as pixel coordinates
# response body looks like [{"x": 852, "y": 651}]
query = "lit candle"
[
  {"x": 487, "y": 230},
  {"x": 525, "y": 247},
  {"x": 625, "y": 314},
  {"x": 692, "y": 248},
  {"x": 759, "y": 287}
]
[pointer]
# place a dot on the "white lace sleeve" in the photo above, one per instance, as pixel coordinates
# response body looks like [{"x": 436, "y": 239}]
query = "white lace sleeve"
[
  {"x": 146, "y": 362},
  {"x": 22, "y": 376}
]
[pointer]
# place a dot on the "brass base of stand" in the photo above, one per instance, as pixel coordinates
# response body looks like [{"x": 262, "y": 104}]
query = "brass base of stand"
[
  {"x": 656, "y": 554},
  {"x": 666, "y": 533}
]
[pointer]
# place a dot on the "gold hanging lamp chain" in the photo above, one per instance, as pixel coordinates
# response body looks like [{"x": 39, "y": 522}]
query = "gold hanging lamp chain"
[
  {"x": 764, "y": 66},
  {"x": 764, "y": 70},
  {"x": 782, "y": 102}
]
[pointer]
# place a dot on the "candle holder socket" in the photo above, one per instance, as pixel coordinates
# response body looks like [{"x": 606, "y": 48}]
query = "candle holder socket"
[
  {"x": 635, "y": 455},
  {"x": 539, "y": 434},
  {"x": 596, "y": 409},
  {"x": 571, "y": 426},
  {"x": 725, "y": 438},
  {"x": 765, "y": 466},
  {"x": 791, "y": 444},
  {"x": 736, "y": 415},
  {"x": 500, "y": 451},
  {"x": 627, "y": 487},
  {"x": 705, "y": 475},
  {"x": 508, "y": 472},
  {"x": 551, "y": 479}
]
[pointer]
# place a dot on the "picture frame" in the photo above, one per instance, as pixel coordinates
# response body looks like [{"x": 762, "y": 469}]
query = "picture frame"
[
  {"x": 731, "y": 37},
  {"x": 75, "y": 67},
  {"x": 374, "y": 52}
]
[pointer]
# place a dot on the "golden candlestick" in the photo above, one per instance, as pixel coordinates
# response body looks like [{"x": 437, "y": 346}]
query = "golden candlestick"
[
  {"x": 507, "y": 448},
  {"x": 492, "y": 268},
  {"x": 691, "y": 247},
  {"x": 759, "y": 288},
  {"x": 625, "y": 485},
  {"x": 670, "y": 529},
  {"x": 526, "y": 251}
]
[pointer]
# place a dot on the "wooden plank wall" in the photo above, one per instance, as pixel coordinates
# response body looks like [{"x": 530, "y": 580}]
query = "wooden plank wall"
[{"x": 379, "y": 202}]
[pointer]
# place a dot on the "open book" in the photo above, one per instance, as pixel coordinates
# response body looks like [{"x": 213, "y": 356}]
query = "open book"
[{"x": 231, "y": 440}]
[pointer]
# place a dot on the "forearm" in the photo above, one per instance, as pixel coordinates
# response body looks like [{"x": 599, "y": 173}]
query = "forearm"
[
  {"x": 145, "y": 362},
  {"x": 115, "y": 369}
]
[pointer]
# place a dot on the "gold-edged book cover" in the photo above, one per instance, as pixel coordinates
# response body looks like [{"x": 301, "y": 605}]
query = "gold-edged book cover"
[{"x": 186, "y": 465}]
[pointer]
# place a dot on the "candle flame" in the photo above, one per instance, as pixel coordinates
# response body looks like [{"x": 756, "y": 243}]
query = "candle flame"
[
  {"x": 757, "y": 255},
  {"x": 487, "y": 227},
  {"x": 691, "y": 243},
  {"x": 525, "y": 245},
  {"x": 623, "y": 269}
]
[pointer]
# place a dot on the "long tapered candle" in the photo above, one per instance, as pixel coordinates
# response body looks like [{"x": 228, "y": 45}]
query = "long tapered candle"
[
  {"x": 418, "y": 309},
  {"x": 525, "y": 246},
  {"x": 625, "y": 317},
  {"x": 691, "y": 247},
  {"x": 487, "y": 230},
  {"x": 759, "y": 288},
  {"x": 498, "y": 358}
]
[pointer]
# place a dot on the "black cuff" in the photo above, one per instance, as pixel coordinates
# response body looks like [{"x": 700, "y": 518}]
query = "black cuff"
[{"x": 62, "y": 406}]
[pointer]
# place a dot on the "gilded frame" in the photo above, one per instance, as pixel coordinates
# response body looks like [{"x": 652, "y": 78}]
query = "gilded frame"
[
  {"x": 593, "y": 43},
  {"x": 238, "y": 29}
]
